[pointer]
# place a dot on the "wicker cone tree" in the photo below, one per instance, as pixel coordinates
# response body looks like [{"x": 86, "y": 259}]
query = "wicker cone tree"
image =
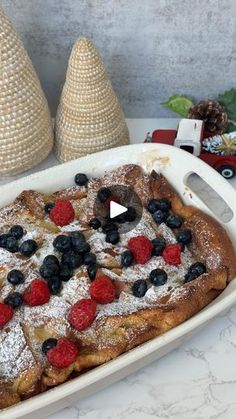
[
  {"x": 26, "y": 134},
  {"x": 89, "y": 117}
]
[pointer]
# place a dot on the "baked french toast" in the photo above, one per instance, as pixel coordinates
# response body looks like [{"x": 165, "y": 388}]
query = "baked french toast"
[{"x": 76, "y": 293}]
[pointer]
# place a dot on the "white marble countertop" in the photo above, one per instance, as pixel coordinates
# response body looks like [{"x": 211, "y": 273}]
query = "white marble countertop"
[{"x": 196, "y": 381}]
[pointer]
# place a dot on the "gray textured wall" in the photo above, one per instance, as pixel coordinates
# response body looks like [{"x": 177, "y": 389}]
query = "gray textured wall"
[{"x": 151, "y": 48}]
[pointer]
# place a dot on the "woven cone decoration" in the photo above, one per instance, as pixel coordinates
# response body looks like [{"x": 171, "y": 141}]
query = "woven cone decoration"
[
  {"x": 26, "y": 134},
  {"x": 89, "y": 117}
]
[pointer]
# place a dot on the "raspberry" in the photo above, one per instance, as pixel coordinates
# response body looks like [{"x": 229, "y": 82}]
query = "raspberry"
[
  {"x": 141, "y": 248},
  {"x": 171, "y": 254},
  {"x": 62, "y": 213},
  {"x": 63, "y": 354},
  {"x": 6, "y": 313},
  {"x": 37, "y": 293},
  {"x": 113, "y": 198},
  {"x": 82, "y": 314},
  {"x": 102, "y": 290}
]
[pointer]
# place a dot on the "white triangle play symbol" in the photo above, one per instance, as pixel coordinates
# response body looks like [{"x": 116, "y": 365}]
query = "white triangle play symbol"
[{"x": 116, "y": 209}]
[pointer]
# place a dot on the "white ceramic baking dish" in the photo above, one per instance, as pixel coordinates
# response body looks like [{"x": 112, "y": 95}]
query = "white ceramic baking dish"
[{"x": 176, "y": 165}]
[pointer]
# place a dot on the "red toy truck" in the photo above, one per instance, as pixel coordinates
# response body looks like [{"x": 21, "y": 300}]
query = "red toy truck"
[{"x": 191, "y": 137}]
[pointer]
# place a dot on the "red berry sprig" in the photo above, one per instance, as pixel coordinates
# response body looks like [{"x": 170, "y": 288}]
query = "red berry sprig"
[
  {"x": 63, "y": 354},
  {"x": 62, "y": 213},
  {"x": 82, "y": 314},
  {"x": 141, "y": 248}
]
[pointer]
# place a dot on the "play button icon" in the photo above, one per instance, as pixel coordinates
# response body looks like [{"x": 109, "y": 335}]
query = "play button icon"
[
  {"x": 116, "y": 209},
  {"x": 124, "y": 211}
]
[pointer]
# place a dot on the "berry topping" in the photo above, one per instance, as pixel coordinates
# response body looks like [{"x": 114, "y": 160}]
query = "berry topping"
[
  {"x": 141, "y": 248},
  {"x": 79, "y": 243},
  {"x": 11, "y": 244},
  {"x": 37, "y": 293},
  {"x": 62, "y": 243},
  {"x": 159, "y": 245},
  {"x": 50, "y": 260},
  {"x": 194, "y": 271},
  {"x": 14, "y": 299},
  {"x": 89, "y": 258},
  {"x": 95, "y": 223},
  {"x": 65, "y": 272},
  {"x": 113, "y": 198},
  {"x": 158, "y": 277},
  {"x": 81, "y": 179},
  {"x": 160, "y": 216},
  {"x": 15, "y": 277},
  {"x": 48, "y": 344},
  {"x": 102, "y": 290},
  {"x": 49, "y": 270},
  {"x": 82, "y": 314},
  {"x": 158, "y": 204},
  {"x": 6, "y": 313},
  {"x": 172, "y": 253},
  {"x": 28, "y": 247},
  {"x": 72, "y": 259},
  {"x": 48, "y": 207},
  {"x": 16, "y": 231},
  {"x": 62, "y": 213},
  {"x": 103, "y": 194},
  {"x": 92, "y": 270},
  {"x": 126, "y": 258},
  {"x": 54, "y": 285},
  {"x": 184, "y": 236},
  {"x": 109, "y": 226},
  {"x": 112, "y": 237},
  {"x": 174, "y": 221},
  {"x": 63, "y": 354},
  {"x": 130, "y": 215},
  {"x": 3, "y": 239},
  {"x": 139, "y": 288}
]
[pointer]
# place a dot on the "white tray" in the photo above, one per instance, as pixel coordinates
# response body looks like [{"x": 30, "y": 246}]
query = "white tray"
[{"x": 176, "y": 165}]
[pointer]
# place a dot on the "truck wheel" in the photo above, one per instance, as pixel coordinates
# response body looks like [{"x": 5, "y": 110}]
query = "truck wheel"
[{"x": 227, "y": 171}]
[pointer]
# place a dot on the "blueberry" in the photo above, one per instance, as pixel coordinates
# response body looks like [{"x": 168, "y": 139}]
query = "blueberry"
[
  {"x": 197, "y": 269},
  {"x": 126, "y": 258},
  {"x": 48, "y": 207},
  {"x": 139, "y": 288},
  {"x": 92, "y": 270},
  {"x": 81, "y": 179},
  {"x": 62, "y": 243},
  {"x": 28, "y": 247},
  {"x": 109, "y": 226},
  {"x": 77, "y": 235},
  {"x": 15, "y": 277},
  {"x": 158, "y": 277},
  {"x": 103, "y": 194},
  {"x": 174, "y": 221},
  {"x": 112, "y": 237},
  {"x": 14, "y": 299},
  {"x": 3, "y": 239},
  {"x": 160, "y": 216},
  {"x": 158, "y": 204},
  {"x": 12, "y": 245},
  {"x": 89, "y": 258},
  {"x": 95, "y": 223},
  {"x": 184, "y": 236},
  {"x": 72, "y": 259},
  {"x": 48, "y": 271},
  {"x": 130, "y": 215},
  {"x": 48, "y": 344},
  {"x": 159, "y": 245},
  {"x": 54, "y": 285},
  {"x": 50, "y": 260},
  {"x": 16, "y": 231},
  {"x": 65, "y": 272},
  {"x": 81, "y": 247},
  {"x": 151, "y": 206}
]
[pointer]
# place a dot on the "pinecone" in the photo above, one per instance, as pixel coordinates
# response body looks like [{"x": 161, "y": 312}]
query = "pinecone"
[{"x": 213, "y": 115}]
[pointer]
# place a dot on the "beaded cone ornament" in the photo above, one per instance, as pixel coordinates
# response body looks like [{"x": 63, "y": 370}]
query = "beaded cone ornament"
[
  {"x": 26, "y": 133},
  {"x": 89, "y": 117}
]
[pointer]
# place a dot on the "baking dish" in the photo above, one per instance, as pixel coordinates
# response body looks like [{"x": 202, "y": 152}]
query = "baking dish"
[{"x": 176, "y": 165}]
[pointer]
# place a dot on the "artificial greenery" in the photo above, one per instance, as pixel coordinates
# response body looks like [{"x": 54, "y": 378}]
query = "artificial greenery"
[{"x": 181, "y": 105}]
